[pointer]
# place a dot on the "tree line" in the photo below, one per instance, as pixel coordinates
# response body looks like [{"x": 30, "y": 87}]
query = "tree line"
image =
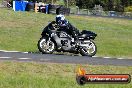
[
  {"x": 108, "y": 5},
  {"x": 117, "y": 5}
]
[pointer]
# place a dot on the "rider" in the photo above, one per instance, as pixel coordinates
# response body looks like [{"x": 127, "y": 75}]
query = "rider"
[{"x": 65, "y": 25}]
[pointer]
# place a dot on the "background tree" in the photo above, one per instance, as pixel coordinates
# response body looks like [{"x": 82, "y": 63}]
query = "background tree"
[
  {"x": 70, "y": 2},
  {"x": 79, "y": 3}
]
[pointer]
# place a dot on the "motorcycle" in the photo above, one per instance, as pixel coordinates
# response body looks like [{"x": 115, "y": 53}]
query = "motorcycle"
[{"x": 54, "y": 38}]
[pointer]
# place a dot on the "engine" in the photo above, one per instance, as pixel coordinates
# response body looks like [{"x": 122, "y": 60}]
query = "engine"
[{"x": 65, "y": 40}]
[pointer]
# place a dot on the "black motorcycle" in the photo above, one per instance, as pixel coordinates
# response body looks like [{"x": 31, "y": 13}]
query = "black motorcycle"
[{"x": 66, "y": 39}]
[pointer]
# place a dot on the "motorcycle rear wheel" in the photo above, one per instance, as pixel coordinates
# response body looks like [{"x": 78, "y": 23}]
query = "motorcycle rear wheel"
[
  {"x": 46, "y": 46},
  {"x": 89, "y": 50}
]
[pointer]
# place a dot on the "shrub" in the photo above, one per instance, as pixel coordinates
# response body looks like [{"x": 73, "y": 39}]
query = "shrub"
[{"x": 128, "y": 9}]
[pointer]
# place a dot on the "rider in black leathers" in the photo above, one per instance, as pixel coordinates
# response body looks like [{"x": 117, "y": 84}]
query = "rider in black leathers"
[{"x": 66, "y": 26}]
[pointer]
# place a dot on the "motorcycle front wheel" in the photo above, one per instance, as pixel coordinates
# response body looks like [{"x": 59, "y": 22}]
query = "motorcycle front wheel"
[
  {"x": 89, "y": 50},
  {"x": 46, "y": 46}
]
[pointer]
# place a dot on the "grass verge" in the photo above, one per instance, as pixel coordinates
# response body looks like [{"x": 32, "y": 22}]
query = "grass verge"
[
  {"x": 51, "y": 75},
  {"x": 21, "y": 31}
]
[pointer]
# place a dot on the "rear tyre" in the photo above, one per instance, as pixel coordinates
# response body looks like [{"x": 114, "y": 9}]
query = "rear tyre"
[
  {"x": 46, "y": 46},
  {"x": 89, "y": 50}
]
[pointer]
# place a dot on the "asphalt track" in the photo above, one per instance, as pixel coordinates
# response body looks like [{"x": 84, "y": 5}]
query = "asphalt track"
[{"x": 53, "y": 58}]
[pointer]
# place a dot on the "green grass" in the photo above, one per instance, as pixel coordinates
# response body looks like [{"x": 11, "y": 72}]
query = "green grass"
[
  {"x": 50, "y": 75},
  {"x": 21, "y": 31}
]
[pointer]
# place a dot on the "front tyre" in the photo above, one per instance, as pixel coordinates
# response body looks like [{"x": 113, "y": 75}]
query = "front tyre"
[
  {"x": 46, "y": 46},
  {"x": 89, "y": 50}
]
